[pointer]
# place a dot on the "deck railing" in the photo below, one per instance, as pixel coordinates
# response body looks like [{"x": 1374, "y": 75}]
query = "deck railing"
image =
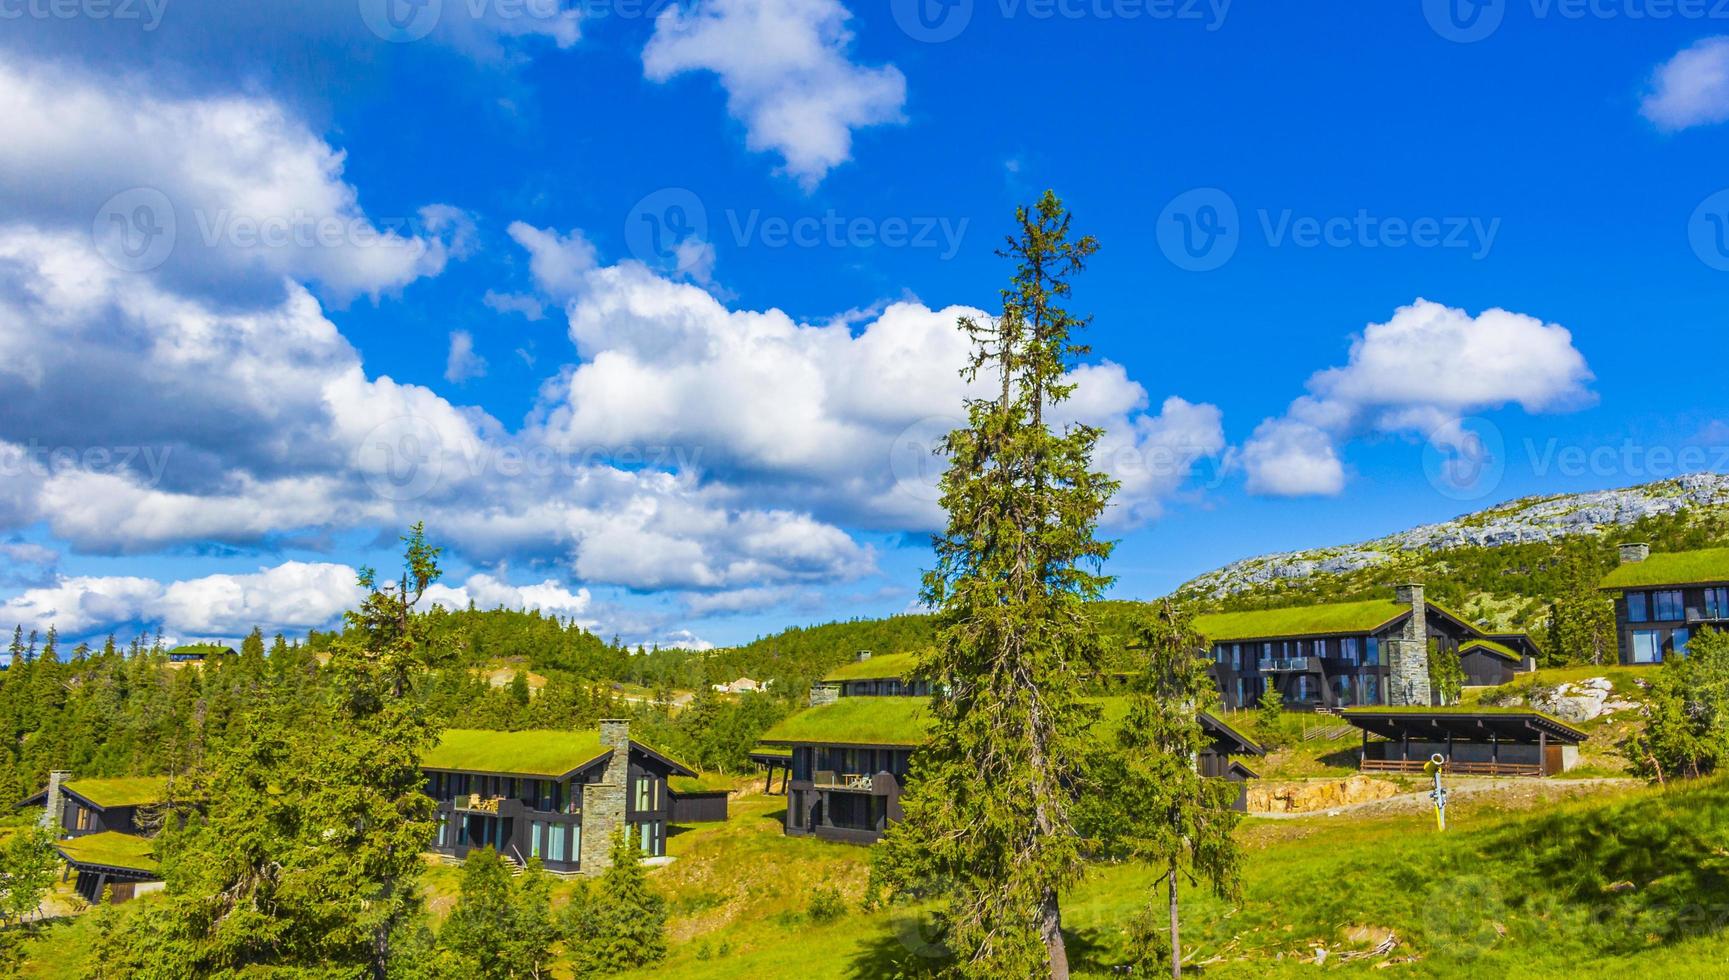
[{"x": 1454, "y": 768}]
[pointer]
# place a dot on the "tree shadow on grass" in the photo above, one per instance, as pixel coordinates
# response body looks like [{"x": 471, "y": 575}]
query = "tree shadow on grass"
[{"x": 912, "y": 947}]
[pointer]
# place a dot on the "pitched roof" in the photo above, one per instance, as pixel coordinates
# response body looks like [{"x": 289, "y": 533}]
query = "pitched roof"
[
  {"x": 199, "y": 650},
  {"x": 1464, "y": 722},
  {"x": 1491, "y": 648},
  {"x": 705, "y": 782},
  {"x": 889, "y": 666},
  {"x": 1672, "y": 568},
  {"x": 544, "y": 753},
  {"x": 1317, "y": 620},
  {"x": 109, "y": 849},
  {"x": 123, "y": 791}
]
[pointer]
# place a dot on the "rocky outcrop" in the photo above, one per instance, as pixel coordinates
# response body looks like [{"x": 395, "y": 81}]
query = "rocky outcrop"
[
  {"x": 1305, "y": 797},
  {"x": 1579, "y": 702},
  {"x": 1531, "y": 519}
]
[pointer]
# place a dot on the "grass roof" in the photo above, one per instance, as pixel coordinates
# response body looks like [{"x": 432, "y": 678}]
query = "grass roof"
[
  {"x": 124, "y": 791},
  {"x": 1672, "y": 568},
  {"x": 1491, "y": 647},
  {"x": 888, "y": 666},
  {"x": 774, "y": 750},
  {"x": 1318, "y": 620},
  {"x": 200, "y": 649},
  {"x": 704, "y": 782},
  {"x": 109, "y": 849},
  {"x": 543, "y": 753},
  {"x": 856, "y": 721}
]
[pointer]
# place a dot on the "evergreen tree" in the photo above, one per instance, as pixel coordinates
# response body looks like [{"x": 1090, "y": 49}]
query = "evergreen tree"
[
  {"x": 990, "y": 798},
  {"x": 1269, "y": 713},
  {"x": 617, "y": 922},
  {"x": 1581, "y": 617},
  {"x": 1686, "y": 730},
  {"x": 1446, "y": 673},
  {"x": 500, "y": 929},
  {"x": 1150, "y": 800},
  {"x": 28, "y": 867}
]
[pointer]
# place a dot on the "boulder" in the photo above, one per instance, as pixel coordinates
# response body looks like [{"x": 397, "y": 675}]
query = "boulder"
[{"x": 1576, "y": 702}]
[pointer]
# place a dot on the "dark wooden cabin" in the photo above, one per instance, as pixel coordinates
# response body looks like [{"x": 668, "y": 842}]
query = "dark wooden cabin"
[
  {"x": 1478, "y": 741},
  {"x": 96, "y": 806},
  {"x": 700, "y": 799},
  {"x": 121, "y": 864},
  {"x": 554, "y": 795},
  {"x": 1662, "y": 601}
]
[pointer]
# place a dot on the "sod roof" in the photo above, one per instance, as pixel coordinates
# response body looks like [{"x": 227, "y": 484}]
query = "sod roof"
[
  {"x": 889, "y": 666},
  {"x": 545, "y": 753},
  {"x": 109, "y": 850},
  {"x": 1319, "y": 620},
  {"x": 1492, "y": 648},
  {"x": 706, "y": 782},
  {"x": 199, "y": 650},
  {"x": 1672, "y": 568},
  {"x": 1465, "y": 721},
  {"x": 121, "y": 792}
]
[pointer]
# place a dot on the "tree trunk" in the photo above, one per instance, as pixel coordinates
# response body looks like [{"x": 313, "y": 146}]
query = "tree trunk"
[
  {"x": 1176, "y": 943},
  {"x": 1051, "y": 930}
]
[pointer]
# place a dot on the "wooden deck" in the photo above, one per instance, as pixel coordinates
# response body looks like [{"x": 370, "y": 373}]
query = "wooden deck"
[{"x": 1453, "y": 768}]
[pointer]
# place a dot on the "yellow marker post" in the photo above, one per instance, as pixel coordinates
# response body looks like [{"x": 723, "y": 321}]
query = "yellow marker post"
[{"x": 1433, "y": 767}]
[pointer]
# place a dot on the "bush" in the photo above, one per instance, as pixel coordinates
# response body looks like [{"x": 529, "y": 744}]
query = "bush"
[{"x": 826, "y": 904}]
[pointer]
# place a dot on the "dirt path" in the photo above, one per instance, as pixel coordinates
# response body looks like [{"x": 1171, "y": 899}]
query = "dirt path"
[{"x": 1514, "y": 793}]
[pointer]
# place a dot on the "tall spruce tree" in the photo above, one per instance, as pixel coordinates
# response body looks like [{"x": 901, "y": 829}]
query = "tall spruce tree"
[
  {"x": 989, "y": 810},
  {"x": 1581, "y": 617},
  {"x": 1149, "y": 798}
]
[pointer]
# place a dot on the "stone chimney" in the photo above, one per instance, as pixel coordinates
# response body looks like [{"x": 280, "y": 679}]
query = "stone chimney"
[
  {"x": 862, "y": 656},
  {"x": 1408, "y": 651},
  {"x": 603, "y": 801},
  {"x": 54, "y": 807},
  {"x": 1633, "y": 553}
]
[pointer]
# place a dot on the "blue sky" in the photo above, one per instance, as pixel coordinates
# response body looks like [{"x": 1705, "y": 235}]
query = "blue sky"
[{"x": 647, "y": 313}]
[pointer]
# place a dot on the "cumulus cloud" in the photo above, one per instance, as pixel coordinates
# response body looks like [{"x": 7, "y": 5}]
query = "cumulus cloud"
[
  {"x": 1420, "y": 372},
  {"x": 488, "y": 592},
  {"x": 1692, "y": 88},
  {"x": 835, "y": 417},
  {"x": 787, "y": 74},
  {"x": 293, "y": 596},
  {"x": 219, "y": 192}
]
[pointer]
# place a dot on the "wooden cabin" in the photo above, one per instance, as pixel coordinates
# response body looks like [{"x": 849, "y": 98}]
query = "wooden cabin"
[
  {"x": 1346, "y": 654},
  {"x": 122, "y": 865},
  {"x": 1662, "y": 601},
  {"x": 1476, "y": 741},
  {"x": 554, "y": 795},
  {"x": 96, "y": 806},
  {"x": 101, "y": 826}
]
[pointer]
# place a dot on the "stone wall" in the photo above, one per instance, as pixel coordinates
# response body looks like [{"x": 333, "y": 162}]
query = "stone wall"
[
  {"x": 54, "y": 808},
  {"x": 821, "y": 694},
  {"x": 603, "y": 801},
  {"x": 1408, "y": 652}
]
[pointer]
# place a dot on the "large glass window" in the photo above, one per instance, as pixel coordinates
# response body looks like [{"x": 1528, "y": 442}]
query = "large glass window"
[
  {"x": 1638, "y": 611},
  {"x": 1647, "y": 646},
  {"x": 1667, "y": 606},
  {"x": 644, "y": 793},
  {"x": 1717, "y": 603},
  {"x": 444, "y": 830},
  {"x": 1348, "y": 649},
  {"x": 1372, "y": 652},
  {"x": 555, "y": 842},
  {"x": 1371, "y": 688},
  {"x": 534, "y": 832},
  {"x": 1678, "y": 641}
]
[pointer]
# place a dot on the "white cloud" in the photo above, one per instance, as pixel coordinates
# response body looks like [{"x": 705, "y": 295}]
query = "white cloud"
[
  {"x": 834, "y": 417},
  {"x": 462, "y": 363},
  {"x": 529, "y": 307},
  {"x": 253, "y": 194},
  {"x": 488, "y": 592},
  {"x": 293, "y": 596},
  {"x": 1420, "y": 372},
  {"x": 1692, "y": 88},
  {"x": 785, "y": 67}
]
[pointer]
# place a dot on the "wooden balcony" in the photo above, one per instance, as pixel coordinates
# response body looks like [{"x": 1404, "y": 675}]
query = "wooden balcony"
[
  {"x": 1454, "y": 768},
  {"x": 854, "y": 782}
]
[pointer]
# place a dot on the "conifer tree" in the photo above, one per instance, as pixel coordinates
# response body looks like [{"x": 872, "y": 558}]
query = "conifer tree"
[
  {"x": 989, "y": 808},
  {"x": 500, "y": 929},
  {"x": 1581, "y": 617},
  {"x": 1150, "y": 800},
  {"x": 617, "y": 922}
]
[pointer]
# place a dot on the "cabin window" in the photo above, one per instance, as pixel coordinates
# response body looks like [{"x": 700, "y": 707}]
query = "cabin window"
[
  {"x": 1372, "y": 651},
  {"x": 1647, "y": 646},
  {"x": 1236, "y": 656},
  {"x": 1717, "y": 603},
  {"x": 644, "y": 793},
  {"x": 443, "y": 829},
  {"x": 1637, "y": 609},
  {"x": 1342, "y": 688},
  {"x": 1370, "y": 686},
  {"x": 1678, "y": 641},
  {"x": 534, "y": 832},
  {"x": 1666, "y": 606},
  {"x": 1348, "y": 649},
  {"x": 1242, "y": 692}
]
